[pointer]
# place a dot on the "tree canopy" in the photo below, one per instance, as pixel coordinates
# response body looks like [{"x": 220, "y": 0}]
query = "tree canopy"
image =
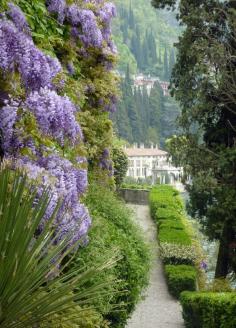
[{"x": 203, "y": 81}]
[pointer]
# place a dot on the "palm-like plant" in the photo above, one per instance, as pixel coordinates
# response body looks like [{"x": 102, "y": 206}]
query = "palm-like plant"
[{"x": 30, "y": 291}]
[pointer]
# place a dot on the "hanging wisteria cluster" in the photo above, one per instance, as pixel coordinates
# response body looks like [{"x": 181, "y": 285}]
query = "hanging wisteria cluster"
[
  {"x": 105, "y": 162},
  {"x": 92, "y": 28},
  {"x": 37, "y": 125},
  {"x": 90, "y": 24}
]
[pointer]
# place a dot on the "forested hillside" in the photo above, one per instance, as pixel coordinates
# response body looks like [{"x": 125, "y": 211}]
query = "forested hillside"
[
  {"x": 145, "y": 40},
  {"x": 144, "y": 37},
  {"x": 143, "y": 117}
]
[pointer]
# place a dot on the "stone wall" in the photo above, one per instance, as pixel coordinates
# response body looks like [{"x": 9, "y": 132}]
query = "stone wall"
[{"x": 134, "y": 196}]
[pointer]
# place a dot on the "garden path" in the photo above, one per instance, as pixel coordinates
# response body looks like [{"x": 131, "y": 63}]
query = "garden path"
[{"x": 158, "y": 309}]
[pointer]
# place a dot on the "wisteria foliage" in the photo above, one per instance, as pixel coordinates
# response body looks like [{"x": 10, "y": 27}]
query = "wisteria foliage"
[
  {"x": 85, "y": 23},
  {"x": 54, "y": 116},
  {"x": 90, "y": 22}
]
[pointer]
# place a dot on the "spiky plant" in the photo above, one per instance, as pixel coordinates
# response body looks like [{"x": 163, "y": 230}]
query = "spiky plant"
[{"x": 32, "y": 288}]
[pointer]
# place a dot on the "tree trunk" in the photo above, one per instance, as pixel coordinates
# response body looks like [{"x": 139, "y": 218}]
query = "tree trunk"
[{"x": 223, "y": 260}]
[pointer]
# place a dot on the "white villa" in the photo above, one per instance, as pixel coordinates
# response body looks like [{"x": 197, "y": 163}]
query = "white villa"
[
  {"x": 152, "y": 162},
  {"x": 148, "y": 81}
]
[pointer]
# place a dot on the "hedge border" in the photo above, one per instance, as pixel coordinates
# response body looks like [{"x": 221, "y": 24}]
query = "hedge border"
[{"x": 167, "y": 210}]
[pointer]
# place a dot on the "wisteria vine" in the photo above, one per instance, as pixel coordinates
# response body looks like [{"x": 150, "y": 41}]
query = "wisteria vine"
[
  {"x": 90, "y": 23},
  {"x": 36, "y": 126},
  {"x": 39, "y": 130}
]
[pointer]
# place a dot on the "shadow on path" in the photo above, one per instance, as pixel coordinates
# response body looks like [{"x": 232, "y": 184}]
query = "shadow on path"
[{"x": 158, "y": 309}]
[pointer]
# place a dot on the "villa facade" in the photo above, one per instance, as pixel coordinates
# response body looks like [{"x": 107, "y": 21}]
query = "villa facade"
[{"x": 152, "y": 163}]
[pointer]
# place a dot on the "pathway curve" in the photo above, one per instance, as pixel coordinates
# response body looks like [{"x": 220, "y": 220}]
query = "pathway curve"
[{"x": 158, "y": 309}]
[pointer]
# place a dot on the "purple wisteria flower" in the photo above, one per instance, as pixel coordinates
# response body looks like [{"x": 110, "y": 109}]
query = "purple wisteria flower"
[
  {"x": 55, "y": 115},
  {"x": 203, "y": 265},
  {"x": 18, "y": 18},
  {"x": 85, "y": 19},
  {"x": 66, "y": 184},
  {"x": 105, "y": 163},
  {"x": 58, "y": 7},
  {"x": 8, "y": 116},
  {"x": 17, "y": 51}
]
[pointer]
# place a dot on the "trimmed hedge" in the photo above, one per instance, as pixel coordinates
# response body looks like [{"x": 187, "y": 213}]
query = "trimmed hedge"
[
  {"x": 165, "y": 197},
  {"x": 167, "y": 210},
  {"x": 209, "y": 310},
  {"x": 173, "y": 234},
  {"x": 180, "y": 278},
  {"x": 176, "y": 249}
]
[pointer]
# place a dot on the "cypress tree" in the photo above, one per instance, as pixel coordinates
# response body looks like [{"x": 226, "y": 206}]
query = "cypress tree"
[
  {"x": 171, "y": 62},
  {"x": 131, "y": 18},
  {"x": 166, "y": 66}
]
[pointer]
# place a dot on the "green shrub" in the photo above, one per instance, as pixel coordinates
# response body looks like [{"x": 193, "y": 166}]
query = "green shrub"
[
  {"x": 169, "y": 224},
  {"x": 164, "y": 197},
  {"x": 209, "y": 310},
  {"x": 163, "y": 214},
  {"x": 171, "y": 235},
  {"x": 33, "y": 285},
  {"x": 180, "y": 278},
  {"x": 113, "y": 228},
  {"x": 177, "y": 254},
  {"x": 176, "y": 249},
  {"x": 75, "y": 317}
]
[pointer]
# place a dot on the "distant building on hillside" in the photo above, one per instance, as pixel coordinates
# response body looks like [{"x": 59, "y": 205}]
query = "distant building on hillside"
[
  {"x": 148, "y": 82},
  {"x": 152, "y": 163}
]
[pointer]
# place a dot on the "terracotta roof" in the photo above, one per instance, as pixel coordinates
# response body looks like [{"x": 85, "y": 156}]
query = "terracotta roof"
[{"x": 133, "y": 152}]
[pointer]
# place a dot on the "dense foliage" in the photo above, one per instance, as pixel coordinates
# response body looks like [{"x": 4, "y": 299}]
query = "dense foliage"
[
  {"x": 177, "y": 249},
  {"x": 209, "y": 310},
  {"x": 180, "y": 278},
  {"x": 145, "y": 37},
  {"x": 204, "y": 83},
  {"x": 120, "y": 163},
  {"x": 113, "y": 229},
  {"x": 56, "y": 60},
  {"x": 144, "y": 117},
  {"x": 33, "y": 290}
]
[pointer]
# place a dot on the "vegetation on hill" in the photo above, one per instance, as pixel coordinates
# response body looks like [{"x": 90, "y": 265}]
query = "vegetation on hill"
[
  {"x": 145, "y": 38},
  {"x": 205, "y": 68},
  {"x": 148, "y": 35},
  {"x": 143, "y": 117}
]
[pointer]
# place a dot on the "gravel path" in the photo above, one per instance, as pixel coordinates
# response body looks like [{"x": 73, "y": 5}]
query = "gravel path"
[{"x": 158, "y": 309}]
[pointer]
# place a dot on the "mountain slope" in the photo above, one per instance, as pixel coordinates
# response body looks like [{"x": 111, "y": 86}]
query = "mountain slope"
[{"x": 138, "y": 22}]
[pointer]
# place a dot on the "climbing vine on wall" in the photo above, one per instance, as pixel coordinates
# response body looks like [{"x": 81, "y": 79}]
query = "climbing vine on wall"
[{"x": 56, "y": 91}]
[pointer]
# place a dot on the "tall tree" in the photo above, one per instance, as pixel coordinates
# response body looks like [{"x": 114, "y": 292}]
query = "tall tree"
[
  {"x": 166, "y": 66},
  {"x": 131, "y": 17},
  {"x": 204, "y": 81},
  {"x": 171, "y": 62},
  {"x": 155, "y": 110}
]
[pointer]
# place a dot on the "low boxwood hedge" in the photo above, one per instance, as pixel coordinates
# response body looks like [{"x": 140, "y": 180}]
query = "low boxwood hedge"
[
  {"x": 169, "y": 234},
  {"x": 209, "y": 310},
  {"x": 176, "y": 249},
  {"x": 180, "y": 278},
  {"x": 164, "y": 197}
]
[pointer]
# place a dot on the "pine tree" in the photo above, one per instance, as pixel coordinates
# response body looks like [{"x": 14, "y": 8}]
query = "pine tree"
[
  {"x": 131, "y": 18},
  {"x": 155, "y": 109},
  {"x": 139, "y": 56},
  {"x": 166, "y": 66},
  {"x": 171, "y": 62}
]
